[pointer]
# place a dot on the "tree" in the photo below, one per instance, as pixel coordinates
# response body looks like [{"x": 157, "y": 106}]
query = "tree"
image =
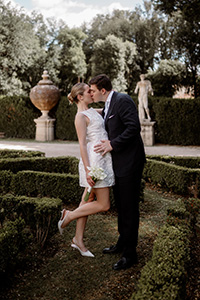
[
  {"x": 145, "y": 35},
  {"x": 190, "y": 10},
  {"x": 115, "y": 58},
  {"x": 72, "y": 57},
  {"x": 187, "y": 42},
  {"x": 117, "y": 24},
  {"x": 140, "y": 28},
  {"x": 187, "y": 35},
  {"x": 19, "y": 49},
  {"x": 132, "y": 69},
  {"x": 169, "y": 75},
  {"x": 166, "y": 47}
]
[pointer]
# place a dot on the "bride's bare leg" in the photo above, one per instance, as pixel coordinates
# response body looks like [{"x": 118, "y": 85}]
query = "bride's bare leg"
[
  {"x": 81, "y": 223},
  {"x": 80, "y": 228},
  {"x": 89, "y": 208}
]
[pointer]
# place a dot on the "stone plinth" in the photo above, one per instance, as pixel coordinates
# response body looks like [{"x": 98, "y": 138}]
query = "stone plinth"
[
  {"x": 147, "y": 132},
  {"x": 44, "y": 128},
  {"x": 44, "y": 96}
]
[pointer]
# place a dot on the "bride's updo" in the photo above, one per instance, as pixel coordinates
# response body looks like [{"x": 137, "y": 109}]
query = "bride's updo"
[{"x": 77, "y": 89}]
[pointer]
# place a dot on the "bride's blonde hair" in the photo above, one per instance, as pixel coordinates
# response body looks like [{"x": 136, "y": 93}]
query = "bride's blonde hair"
[{"x": 77, "y": 89}]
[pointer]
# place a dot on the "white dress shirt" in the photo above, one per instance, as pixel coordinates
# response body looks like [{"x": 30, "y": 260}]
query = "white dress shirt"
[{"x": 107, "y": 103}]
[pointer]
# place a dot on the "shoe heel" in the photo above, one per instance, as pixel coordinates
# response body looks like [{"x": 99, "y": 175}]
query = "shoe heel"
[
  {"x": 86, "y": 253},
  {"x": 60, "y": 222}
]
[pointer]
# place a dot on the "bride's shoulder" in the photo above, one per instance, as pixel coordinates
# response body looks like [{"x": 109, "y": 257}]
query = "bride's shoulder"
[
  {"x": 79, "y": 116},
  {"x": 82, "y": 118}
]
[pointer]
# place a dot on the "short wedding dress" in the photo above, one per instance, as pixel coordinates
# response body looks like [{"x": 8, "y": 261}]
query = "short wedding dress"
[{"x": 95, "y": 133}]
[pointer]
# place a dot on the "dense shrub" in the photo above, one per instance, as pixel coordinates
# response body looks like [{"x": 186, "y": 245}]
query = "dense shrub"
[
  {"x": 181, "y": 180},
  {"x": 65, "y": 114},
  {"x": 165, "y": 274},
  {"x": 24, "y": 221},
  {"x": 5, "y": 180},
  {"x": 14, "y": 238},
  {"x": 32, "y": 184},
  {"x": 177, "y": 120},
  {"x": 17, "y": 117},
  {"x": 193, "y": 207},
  {"x": 184, "y": 161},
  {"x": 8, "y": 153},
  {"x": 40, "y": 214},
  {"x": 60, "y": 165},
  {"x": 66, "y": 164},
  {"x": 163, "y": 277}
]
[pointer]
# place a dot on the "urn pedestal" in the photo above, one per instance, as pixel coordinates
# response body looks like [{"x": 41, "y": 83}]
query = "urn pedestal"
[
  {"x": 44, "y": 96},
  {"x": 147, "y": 133},
  {"x": 44, "y": 128}
]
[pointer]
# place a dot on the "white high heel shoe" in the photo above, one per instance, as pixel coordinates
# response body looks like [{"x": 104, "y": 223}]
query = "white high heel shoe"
[
  {"x": 62, "y": 214},
  {"x": 86, "y": 253},
  {"x": 60, "y": 222}
]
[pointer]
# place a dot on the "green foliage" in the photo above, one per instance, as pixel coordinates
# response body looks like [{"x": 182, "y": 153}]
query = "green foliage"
[
  {"x": 17, "y": 117},
  {"x": 5, "y": 180},
  {"x": 117, "y": 24},
  {"x": 30, "y": 43},
  {"x": 187, "y": 32},
  {"x": 72, "y": 57},
  {"x": 64, "y": 164},
  {"x": 169, "y": 75},
  {"x": 184, "y": 161},
  {"x": 177, "y": 120},
  {"x": 187, "y": 41},
  {"x": 193, "y": 207},
  {"x": 23, "y": 218},
  {"x": 131, "y": 66},
  {"x": 9, "y": 153},
  {"x": 178, "y": 214},
  {"x": 65, "y": 114},
  {"x": 32, "y": 184},
  {"x": 146, "y": 29},
  {"x": 189, "y": 9},
  {"x": 164, "y": 276},
  {"x": 109, "y": 58},
  {"x": 19, "y": 50},
  {"x": 181, "y": 180},
  {"x": 40, "y": 214},
  {"x": 14, "y": 238}
]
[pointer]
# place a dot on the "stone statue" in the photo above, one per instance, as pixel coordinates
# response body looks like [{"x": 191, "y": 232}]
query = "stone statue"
[{"x": 144, "y": 87}]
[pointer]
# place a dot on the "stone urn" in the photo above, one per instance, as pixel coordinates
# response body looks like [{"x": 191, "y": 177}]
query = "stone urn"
[{"x": 44, "y": 96}]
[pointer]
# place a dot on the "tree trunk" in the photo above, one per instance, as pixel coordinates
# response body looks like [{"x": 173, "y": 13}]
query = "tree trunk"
[{"x": 194, "y": 79}]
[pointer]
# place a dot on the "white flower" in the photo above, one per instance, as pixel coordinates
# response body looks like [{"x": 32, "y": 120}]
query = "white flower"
[{"x": 96, "y": 173}]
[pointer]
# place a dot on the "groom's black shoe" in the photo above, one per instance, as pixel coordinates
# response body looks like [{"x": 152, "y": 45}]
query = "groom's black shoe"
[
  {"x": 112, "y": 250},
  {"x": 125, "y": 263}
]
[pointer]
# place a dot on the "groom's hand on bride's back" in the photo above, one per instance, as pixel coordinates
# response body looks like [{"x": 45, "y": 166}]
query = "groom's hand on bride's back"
[{"x": 103, "y": 147}]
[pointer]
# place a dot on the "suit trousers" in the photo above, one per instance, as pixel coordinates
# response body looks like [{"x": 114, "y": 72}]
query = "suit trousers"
[{"x": 126, "y": 193}]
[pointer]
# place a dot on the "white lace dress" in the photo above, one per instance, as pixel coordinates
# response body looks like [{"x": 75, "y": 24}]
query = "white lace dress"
[{"x": 95, "y": 133}]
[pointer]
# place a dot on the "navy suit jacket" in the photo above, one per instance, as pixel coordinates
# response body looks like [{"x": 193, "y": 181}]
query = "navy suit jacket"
[{"x": 123, "y": 128}]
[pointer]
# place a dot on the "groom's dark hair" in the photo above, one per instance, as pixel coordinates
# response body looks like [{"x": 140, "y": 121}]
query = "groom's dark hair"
[{"x": 102, "y": 81}]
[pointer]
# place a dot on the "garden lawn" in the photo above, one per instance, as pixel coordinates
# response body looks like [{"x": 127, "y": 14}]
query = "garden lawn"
[{"x": 61, "y": 273}]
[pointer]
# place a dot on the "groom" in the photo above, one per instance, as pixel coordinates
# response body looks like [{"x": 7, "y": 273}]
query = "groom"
[{"x": 128, "y": 156}]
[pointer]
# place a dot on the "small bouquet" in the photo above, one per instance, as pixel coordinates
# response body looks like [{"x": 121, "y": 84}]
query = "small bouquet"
[{"x": 96, "y": 173}]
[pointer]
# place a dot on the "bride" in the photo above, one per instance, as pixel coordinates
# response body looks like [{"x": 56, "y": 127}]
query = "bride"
[{"x": 90, "y": 130}]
